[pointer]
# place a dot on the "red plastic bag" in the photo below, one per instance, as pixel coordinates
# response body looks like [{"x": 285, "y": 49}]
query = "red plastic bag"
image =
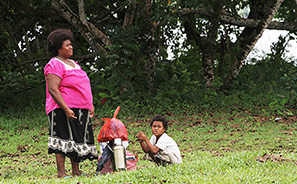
[{"x": 113, "y": 128}]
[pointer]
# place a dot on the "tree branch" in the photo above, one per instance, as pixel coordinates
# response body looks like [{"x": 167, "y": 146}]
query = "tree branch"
[
  {"x": 227, "y": 19},
  {"x": 88, "y": 30},
  {"x": 82, "y": 14},
  {"x": 83, "y": 57},
  {"x": 27, "y": 87}
]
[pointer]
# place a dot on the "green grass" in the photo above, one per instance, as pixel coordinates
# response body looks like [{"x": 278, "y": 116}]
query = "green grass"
[{"x": 217, "y": 147}]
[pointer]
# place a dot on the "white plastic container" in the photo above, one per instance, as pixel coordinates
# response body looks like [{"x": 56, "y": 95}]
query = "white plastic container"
[{"x": 119, "y": 156}]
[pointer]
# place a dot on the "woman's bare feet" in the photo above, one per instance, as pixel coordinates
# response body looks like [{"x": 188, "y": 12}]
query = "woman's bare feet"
[
  {"x": 79, "y": 173},
  {"x": 75, "y": 168},
  {"x": 61, "y": 174}
]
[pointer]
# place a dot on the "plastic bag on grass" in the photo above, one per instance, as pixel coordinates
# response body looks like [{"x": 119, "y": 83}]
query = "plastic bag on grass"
[
  {"x": 107, "y": 151},
  {"x": 131, "y": 161}
]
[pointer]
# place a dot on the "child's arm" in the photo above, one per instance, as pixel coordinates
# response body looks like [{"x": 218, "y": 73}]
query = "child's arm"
[{"x": 145, "y": 143}]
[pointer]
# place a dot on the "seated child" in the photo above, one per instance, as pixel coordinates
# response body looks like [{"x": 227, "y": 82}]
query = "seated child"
[{"x": 161, "y": 148}]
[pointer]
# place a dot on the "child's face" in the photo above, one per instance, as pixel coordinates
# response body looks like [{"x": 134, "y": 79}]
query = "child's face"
[{"x": 158, "y": 128}]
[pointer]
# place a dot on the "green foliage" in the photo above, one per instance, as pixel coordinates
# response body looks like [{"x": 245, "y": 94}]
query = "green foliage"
[
  {"x": 270, "y": 83},
  {"x": 287, "y": 10},
  {"x": 122, "y": 75},
  {"x": 271, "y": 79},
  {"x": 123, "y": 72}
]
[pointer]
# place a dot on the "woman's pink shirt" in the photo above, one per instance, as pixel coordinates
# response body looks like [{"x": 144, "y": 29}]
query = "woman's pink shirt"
[{"x": 75, "y": 86}]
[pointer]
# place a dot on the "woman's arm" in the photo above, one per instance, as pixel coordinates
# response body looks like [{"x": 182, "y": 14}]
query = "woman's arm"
[{"x": 53, "y": 83}]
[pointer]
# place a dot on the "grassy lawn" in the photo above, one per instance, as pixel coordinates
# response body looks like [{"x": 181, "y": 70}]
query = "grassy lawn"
[{"x": 219, "y": 147}]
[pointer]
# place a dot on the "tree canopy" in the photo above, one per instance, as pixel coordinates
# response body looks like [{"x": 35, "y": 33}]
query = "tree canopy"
[{"x": 123, "y": 44}]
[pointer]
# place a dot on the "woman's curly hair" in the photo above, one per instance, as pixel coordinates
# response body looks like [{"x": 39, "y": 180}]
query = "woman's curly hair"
[{"x": 56, "y": 38}]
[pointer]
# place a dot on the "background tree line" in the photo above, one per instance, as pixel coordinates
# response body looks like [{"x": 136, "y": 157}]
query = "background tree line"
[{"x": 122, "y": 44}]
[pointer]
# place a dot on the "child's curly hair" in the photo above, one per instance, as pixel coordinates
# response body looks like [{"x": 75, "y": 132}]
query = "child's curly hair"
[{"x": 162, "y": 119}]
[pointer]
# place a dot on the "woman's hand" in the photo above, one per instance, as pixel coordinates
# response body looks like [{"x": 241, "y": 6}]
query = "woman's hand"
[
  {"x": 92, "y": 112},
  {"x": 70, "y": 114}
]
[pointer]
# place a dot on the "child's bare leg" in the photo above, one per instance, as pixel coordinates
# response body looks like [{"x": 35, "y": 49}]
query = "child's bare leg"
[{"x": 156, "y": 160}]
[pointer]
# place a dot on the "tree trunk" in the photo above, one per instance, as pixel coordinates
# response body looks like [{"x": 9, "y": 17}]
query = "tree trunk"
[
  {"x": 209, "y": 48},
  {"x": 130, "y": 13},
  {"x": 251, "y": 41}
]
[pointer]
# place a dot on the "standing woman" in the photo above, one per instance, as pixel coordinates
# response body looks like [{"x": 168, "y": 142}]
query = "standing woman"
[{"x": 69, "y": 105}]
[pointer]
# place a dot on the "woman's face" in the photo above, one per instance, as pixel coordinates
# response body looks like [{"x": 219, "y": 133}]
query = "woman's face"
[
  {"x": 158, "y": 128},
  {"x": 66, "y": 50}
]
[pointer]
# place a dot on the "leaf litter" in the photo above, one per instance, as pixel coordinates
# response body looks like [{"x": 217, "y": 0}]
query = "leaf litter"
[{"x": 273, "y": 158}]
